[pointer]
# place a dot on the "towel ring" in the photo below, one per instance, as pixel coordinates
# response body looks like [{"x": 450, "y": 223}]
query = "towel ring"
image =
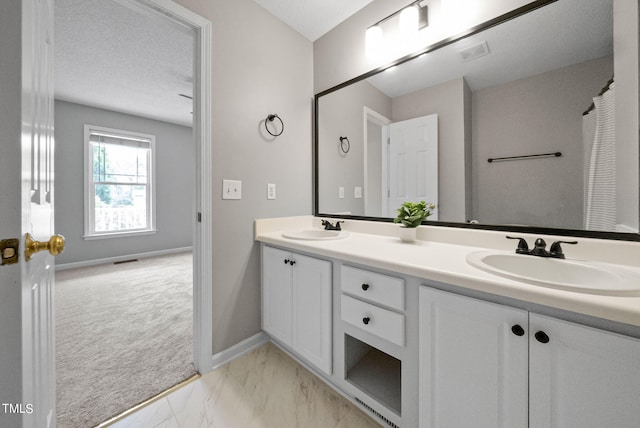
[
  {"x": 271, "y": 118},
  {"x": 343, "y": 145}
]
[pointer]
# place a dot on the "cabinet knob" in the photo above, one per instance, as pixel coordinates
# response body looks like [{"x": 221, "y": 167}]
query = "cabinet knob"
[
  {"x": 542, "y": 337},
  {"x": 365, "y": 287},
  {"x": 366, "y": 320},
  {"x": 286, "y": 261},
  {"x": 292, "y": 262},
  {"x": 517, "y": 330}
]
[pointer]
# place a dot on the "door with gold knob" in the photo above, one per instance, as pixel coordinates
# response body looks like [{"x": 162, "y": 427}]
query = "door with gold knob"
[{"x": 27, "y": 358}]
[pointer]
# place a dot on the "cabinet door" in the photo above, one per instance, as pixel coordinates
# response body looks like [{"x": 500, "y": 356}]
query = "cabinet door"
[
  {"x": 582, "y": 377},
  {"x": 473, "y": 366},
  {"x": 277, "y": 294},
  {"x": 312, "y": 310}
]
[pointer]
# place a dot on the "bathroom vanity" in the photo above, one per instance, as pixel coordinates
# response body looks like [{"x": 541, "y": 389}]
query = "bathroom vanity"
[{"x": 418, "y": 337}]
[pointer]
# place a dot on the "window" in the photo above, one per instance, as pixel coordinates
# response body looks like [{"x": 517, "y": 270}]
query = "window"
[{"x": 119, "y": 198}]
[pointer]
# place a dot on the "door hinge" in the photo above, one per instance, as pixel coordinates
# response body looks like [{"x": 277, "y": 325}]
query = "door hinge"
[
  {"x": 199, "y": 217},
  {"x": 9, "y": 251}
]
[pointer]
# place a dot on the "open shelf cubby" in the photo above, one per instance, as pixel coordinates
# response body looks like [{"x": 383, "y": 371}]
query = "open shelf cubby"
[{"x": 374, "y": 372}]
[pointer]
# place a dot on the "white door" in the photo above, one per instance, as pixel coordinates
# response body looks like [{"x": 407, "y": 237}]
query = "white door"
[
  {"x": 473, "y": 363},
  {"x": 582, "y": 377},
  {"x": 27, "y": 359},
  {"x": 277, "y": 294},
  {"x": 413, "y": 163},
  {"x": 312, "y": 310}
]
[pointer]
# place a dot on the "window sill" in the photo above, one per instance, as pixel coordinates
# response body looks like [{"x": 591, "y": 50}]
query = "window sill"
[{"x": 119, "y": 234}]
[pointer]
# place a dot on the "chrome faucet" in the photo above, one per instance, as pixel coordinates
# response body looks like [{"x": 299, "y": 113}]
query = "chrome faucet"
[
  {"x": 328, "y": 226},
  {"x": 540, "y": 248}
]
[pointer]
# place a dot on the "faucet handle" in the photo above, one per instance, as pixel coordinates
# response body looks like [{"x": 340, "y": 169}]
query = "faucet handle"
[
  {"x": 556, "y": 249},
  {"x": 328, "y": 226},
  {"x": 523, "y": 247},
  {"x": 539, "y": 248}
]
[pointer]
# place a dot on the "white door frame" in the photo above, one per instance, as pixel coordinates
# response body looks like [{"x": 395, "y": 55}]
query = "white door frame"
[
  {"x": 370, "y": 115},
  {"x": 203, "y": 239}
]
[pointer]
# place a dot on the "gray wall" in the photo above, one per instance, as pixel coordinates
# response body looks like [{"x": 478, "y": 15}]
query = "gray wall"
[
  {"x": 342, "y": 115},
  {"x": 260, "y": 66},
  {"x": 541, "y": 192},
  {"x": 448, "y": 100},
  {"x": 175, "y": 183},
  {"x": 373, "y": 185}
]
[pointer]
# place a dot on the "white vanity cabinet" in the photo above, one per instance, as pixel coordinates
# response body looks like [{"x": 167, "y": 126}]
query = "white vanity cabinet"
[
  {"x": 296, "y": 304},
  {"x": 582, "y": 377},
  {"x": 473, "y": 368},
  {"x": 485, "y": 365}
]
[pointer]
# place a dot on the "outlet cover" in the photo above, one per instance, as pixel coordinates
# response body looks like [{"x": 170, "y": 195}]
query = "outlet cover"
[
  {"x": 231, "y": 189},
  {"x": 357, "y": 192},
  {"x": 341, "y": 192},
  {"x": 271, "y": 191}
]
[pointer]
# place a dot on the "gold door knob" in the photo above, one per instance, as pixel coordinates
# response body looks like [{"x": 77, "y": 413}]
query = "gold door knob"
[{"x": 55, "y": 246}]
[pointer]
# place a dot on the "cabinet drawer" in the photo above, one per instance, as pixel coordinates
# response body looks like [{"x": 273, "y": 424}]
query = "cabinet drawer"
[
  {"x": 375, "y": 287},
  {"x": 383, "y": 323}
]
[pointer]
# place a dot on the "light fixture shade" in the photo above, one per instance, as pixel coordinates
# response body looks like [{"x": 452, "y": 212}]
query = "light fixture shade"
[
  {"x": 374, "y": 41},
  {"x": 409, "y": 20}
]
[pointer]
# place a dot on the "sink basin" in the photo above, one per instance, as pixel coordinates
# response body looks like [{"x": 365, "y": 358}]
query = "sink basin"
[
  {"x": 572, "y": 275},
  {"x": 316, "y": 234}
]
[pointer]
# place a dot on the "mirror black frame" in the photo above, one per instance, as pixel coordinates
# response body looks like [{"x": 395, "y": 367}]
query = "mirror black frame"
[{"x": 516, "y": 229}]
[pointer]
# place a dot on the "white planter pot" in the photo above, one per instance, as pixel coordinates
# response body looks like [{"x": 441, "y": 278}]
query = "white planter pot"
[{"x": 408, "y": 234}]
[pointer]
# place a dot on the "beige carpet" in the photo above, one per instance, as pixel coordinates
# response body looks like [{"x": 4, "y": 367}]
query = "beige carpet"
[{"x": 123, "y": 334}]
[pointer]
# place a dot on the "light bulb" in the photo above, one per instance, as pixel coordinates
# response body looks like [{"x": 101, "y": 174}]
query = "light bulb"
[
  {"x": 409, "y": 20},
  {"x": 373, "y": 41}
]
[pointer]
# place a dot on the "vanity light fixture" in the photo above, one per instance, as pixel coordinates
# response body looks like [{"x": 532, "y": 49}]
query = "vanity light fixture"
[{"x": 411, "y": 19}]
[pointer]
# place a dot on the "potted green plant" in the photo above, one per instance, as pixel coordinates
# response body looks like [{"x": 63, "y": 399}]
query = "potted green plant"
[{"x": 411, "y": 215}]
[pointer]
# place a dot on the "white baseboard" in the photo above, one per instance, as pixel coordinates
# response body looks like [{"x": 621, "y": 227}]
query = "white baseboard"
[
  {"x": 107, "y": 260},
  {"x": 239, "y": 349}
]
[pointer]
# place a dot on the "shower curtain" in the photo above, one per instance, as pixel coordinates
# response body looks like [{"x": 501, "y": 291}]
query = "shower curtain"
[{"x": 600, "y": 163}]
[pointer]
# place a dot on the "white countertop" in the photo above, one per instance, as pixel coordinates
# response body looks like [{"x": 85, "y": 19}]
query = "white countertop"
[{"x": 443, "y": 261}]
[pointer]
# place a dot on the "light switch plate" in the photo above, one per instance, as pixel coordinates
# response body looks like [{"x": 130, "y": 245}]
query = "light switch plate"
[
  {"x": 271, "y": 191},
  {"x": 357, "y": 192},
  {"x": 341, "y": 192},
  {"x": 231, "y": 189}
]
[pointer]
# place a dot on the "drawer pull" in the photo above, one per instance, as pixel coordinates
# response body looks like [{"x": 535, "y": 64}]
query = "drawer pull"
[
  {"x": 365, "y": 287},
  {"x": 517, "y": 330},
  {"x": 366, "y": 320},
  {"x": 542, "y": 337}
]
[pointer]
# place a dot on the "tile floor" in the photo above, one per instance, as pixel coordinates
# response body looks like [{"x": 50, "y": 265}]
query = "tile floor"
[{"x": 262, "y": 389}]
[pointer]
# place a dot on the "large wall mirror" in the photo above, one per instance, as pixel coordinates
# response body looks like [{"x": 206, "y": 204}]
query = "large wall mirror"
[{"x": 527, "y": 124}]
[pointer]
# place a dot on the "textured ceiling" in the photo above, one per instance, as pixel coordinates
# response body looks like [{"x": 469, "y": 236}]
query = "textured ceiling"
[
  {"x": 109, "y": 56},
  {"x": 112, "y": 57}
]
